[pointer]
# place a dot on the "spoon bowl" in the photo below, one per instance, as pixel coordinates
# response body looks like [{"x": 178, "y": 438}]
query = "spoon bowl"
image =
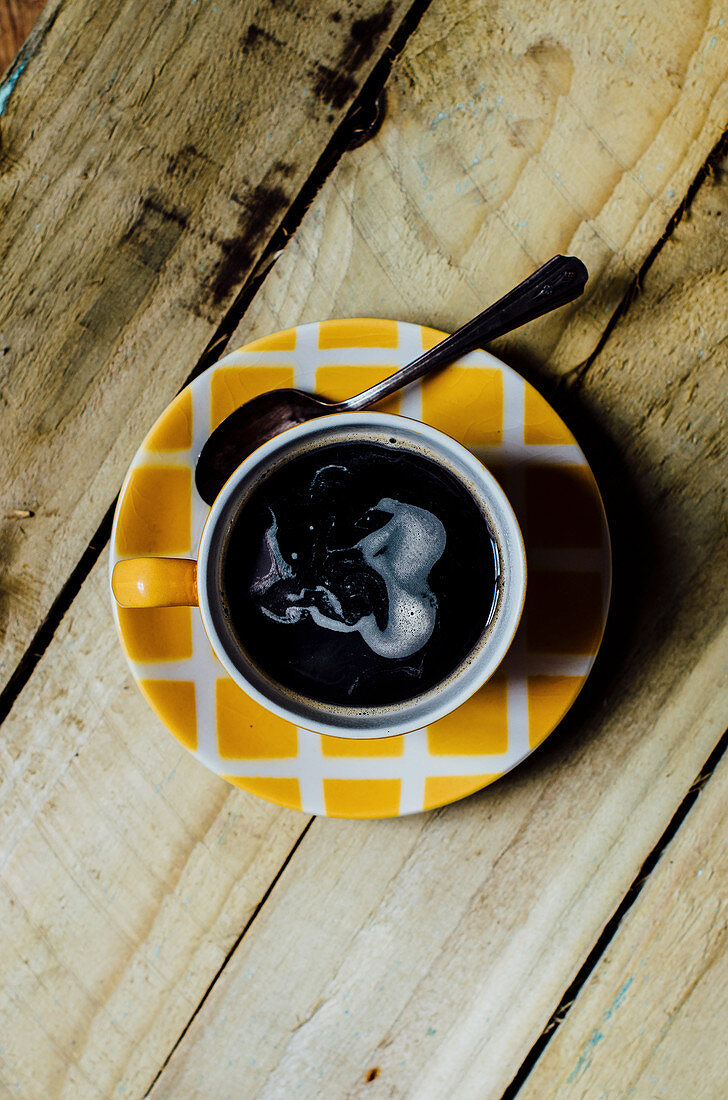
[{"x": 247, "y": 428}]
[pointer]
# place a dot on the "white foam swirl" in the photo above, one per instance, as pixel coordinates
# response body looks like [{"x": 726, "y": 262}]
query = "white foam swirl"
[{"x": 403, "y": 553}]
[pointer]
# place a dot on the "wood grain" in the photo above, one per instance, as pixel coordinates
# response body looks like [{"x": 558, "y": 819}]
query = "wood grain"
[
  {"x": 514, "y": 131},
  {"x": 431, "y": 952},
  {"x": 401, "y": 946},
  {"x": 17, "y": 18},
  {"x": 147, "y": 152},
  {"x": 651, "y": 1020},
  {"x": 127, "y": 872}
]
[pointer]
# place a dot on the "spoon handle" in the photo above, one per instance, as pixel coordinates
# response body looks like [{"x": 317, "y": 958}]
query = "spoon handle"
[{"x": 560, "y": 280}]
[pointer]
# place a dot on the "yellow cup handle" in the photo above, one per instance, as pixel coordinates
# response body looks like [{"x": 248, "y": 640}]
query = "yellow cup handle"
[{"x": 155, "y": 582}]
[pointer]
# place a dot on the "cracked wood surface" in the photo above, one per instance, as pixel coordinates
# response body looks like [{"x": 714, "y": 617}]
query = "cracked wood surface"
[
  {"x": 406, "y": 947},
  {"x": 146, "y": 156}
]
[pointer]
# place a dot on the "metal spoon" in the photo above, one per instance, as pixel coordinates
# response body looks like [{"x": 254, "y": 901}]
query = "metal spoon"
[{"x": 559, "y": 281}]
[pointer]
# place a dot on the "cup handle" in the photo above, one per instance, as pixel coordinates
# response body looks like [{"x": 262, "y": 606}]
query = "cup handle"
[{"x": 155, "y": 582}]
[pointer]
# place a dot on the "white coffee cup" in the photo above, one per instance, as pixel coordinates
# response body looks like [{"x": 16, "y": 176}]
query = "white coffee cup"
[{"x": 162, "y": 582}]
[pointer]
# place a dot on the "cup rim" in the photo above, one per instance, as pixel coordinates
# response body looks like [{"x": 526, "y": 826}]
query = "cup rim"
[{"x": 488, "y": 654}]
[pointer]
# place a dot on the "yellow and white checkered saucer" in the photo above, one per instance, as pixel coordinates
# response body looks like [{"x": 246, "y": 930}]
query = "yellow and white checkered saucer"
[{"x": 489, "y": 408}]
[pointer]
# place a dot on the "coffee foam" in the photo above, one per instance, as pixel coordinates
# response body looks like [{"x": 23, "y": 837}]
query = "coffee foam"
[{"x": 402, "y": 553}]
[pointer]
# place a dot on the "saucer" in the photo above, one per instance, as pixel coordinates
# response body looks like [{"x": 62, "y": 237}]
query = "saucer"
[{"x": 486, "y": 406}]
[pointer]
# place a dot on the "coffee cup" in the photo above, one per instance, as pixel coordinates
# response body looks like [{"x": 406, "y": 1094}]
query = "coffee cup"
[{"x": 360, "y": 575}]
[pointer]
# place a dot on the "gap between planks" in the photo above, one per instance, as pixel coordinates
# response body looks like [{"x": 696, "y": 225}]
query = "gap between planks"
[
  {"x": 574, "y": 378},
  {"x": 231, "y": 952},
  {"x": 344, "y": 137},
  {"x": 43, "y": 21},
  {"x": 17, "y": 19},
  {"x": 558, "y": 1016}
]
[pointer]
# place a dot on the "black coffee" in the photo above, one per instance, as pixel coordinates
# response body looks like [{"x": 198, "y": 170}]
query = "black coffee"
[{"x": 359, "y": 574}]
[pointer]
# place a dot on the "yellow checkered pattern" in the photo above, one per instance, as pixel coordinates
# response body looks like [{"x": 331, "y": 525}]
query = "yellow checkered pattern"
[{"x": 487, "y": 407}]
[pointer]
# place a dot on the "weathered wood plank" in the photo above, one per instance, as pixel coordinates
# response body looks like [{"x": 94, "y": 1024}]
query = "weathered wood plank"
[
  {"x": 434, "y": 951},
  {"x": 127, "y": 872},
  {"x": 514, "y": 131},
  {"x": 651, "y": 1020},
  {"x": 147, "y": 152},
  {"x": 430, "y": 954}
]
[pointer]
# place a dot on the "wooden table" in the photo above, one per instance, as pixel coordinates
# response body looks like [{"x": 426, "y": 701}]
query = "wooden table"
[{"x": 564, "y": 932}]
